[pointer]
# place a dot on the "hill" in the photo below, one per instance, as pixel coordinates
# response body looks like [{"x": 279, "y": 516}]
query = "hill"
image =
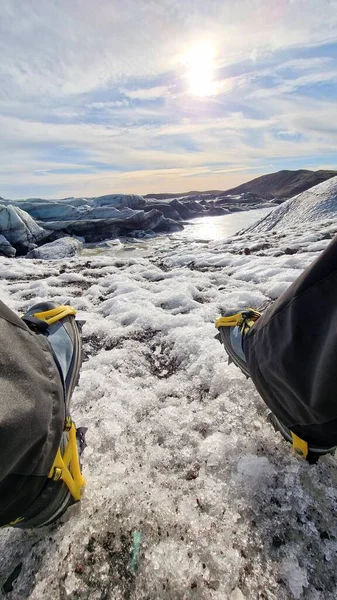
[
  {"x": 314, "y": 205},
  {"x": 280, "y": 185},
  {"x": 283, "y": 184}
]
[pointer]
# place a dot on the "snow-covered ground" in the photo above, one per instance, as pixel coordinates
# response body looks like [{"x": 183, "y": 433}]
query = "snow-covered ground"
[
  {"x": 179, "y": 449},
  {"x": 315, "y": 204}
]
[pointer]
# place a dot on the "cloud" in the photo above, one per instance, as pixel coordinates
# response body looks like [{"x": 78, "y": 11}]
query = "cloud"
[
  {"x": 66, "y": 49},
  {"x": 147, "y": 93},
  {"x": 94, "y": 97}
]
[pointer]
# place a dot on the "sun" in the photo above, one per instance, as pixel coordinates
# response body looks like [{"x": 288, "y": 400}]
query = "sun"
[{"x": 200, "y": 66}]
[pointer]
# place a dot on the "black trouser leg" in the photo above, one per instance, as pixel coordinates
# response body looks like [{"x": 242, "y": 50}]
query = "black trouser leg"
[
  {"x": 32, "y": 414},
  {"x": 292, "y": 353}
]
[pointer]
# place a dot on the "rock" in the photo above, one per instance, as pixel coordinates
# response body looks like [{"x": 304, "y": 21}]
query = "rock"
[
  {"x": 5, "y": 248},
  {"x": 62, "y": 248},
  {"x": 19, "y": 229}
]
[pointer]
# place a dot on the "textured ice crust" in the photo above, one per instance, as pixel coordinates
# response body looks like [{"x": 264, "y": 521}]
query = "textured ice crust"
[{"x": 179, "y": 448}]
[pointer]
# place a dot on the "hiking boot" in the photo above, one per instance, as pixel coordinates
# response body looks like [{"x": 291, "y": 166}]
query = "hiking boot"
[
  {"x": 232, "y": 330},
  {"x": 63, "y": 332},
  {"x": 311, "y": 452},
  {"x": 64, "y": 482}
]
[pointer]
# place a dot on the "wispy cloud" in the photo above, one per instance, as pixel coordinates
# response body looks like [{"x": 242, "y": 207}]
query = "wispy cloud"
[
  {"x": 152, "y": 93},
  {"x": 95, "y": 101}
]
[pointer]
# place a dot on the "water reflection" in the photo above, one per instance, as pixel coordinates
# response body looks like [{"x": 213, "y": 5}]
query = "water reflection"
[
  {"x": 205, "y": 229},
  {"x": 219, "y": 228}
]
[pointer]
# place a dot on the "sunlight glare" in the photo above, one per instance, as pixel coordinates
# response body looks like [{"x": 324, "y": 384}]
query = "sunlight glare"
[{"x": 199, "y": 62}]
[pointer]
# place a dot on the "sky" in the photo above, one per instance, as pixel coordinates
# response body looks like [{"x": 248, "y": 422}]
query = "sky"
[{"x": 146, "y": 96}]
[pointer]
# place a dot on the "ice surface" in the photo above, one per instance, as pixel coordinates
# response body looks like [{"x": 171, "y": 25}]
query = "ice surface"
[
  {"x": 5, "y": 247},
  {"x": 295, "y": 576},
  {"x": 317, "y": 203},
  {"x": 94, "y": 219},
  {"x": 19, "y": 229},
  {"x": 179, "y": 448}
]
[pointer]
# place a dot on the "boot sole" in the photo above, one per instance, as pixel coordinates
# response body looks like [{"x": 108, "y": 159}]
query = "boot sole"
[{"x": 286, "y": 434}]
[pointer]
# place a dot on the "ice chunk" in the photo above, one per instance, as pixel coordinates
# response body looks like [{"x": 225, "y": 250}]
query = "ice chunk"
[
  {"x": 295, "y": 576},
  {"x": 62, "y": 248}
]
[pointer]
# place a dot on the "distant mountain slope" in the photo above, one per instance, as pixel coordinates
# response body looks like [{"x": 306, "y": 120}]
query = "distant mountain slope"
[
  {"x": 168, "y": 195},
  {"x": 317, "y": 204},
  {"x": 280, "y": 185},
  {"x": 283, "y": 184}
]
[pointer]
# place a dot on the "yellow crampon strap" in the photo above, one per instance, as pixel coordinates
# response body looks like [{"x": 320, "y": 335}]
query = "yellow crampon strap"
[
  {"x": 248, "y": 316},
  {"x": 230, "y": 321},
  {"x": 68, "y": 468},
  {"x": 55, "y": 314},
  {"x": 300, "y": 447}
]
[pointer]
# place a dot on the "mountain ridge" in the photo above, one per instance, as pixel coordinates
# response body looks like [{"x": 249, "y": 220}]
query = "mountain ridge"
[{"x": 280, "y": 185}]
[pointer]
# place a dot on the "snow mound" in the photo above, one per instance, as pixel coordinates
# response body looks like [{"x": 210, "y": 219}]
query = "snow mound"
[{"x": 316, "y": 204}]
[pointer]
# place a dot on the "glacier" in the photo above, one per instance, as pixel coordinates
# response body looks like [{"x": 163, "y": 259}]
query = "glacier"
[
  {"x": 316, "y": 204},
  {"x": 179, "y": 447},
  {"x": 25, "y": 223},
  {"x": 19, "y": 229}
]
